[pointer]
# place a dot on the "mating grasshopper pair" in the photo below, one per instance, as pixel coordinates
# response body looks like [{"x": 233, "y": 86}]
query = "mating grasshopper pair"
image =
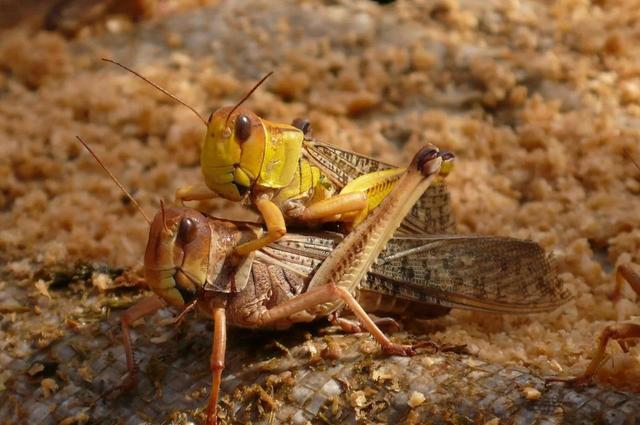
[
  {"x": 223, "y": 269},
  {"x": 287, "y": 176}
]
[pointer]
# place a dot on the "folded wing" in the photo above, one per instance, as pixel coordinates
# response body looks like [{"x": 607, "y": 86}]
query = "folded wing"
[
  {"x": 485, "y": 273},
  {"x": 430, "y": 215}
]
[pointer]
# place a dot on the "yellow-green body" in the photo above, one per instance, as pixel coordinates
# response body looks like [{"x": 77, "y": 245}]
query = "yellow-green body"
[
  {"x": 244, "y": 157},
  {"x": 376, "y": 186}
]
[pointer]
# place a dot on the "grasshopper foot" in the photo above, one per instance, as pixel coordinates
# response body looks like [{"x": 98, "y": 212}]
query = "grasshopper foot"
[
  {"x": 129, "y": 383},
  {"x": 351, "y": 326},
  {"x": 399, "y": 350}
]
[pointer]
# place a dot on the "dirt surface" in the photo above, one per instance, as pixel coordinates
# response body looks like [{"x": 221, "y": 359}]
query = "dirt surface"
[{"x": 538, "y": 101}]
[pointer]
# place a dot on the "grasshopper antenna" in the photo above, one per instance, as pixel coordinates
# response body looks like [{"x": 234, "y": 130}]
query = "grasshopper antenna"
[
  {"x": 246, "y": 96},
  {"x": 104, "y": 167},
  {"x": 164, "y": 217},
  {"x": 166, "y": 92}
]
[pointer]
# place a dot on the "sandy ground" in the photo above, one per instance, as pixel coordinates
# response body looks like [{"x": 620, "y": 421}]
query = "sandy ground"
[{"x": 539, "y": 101}]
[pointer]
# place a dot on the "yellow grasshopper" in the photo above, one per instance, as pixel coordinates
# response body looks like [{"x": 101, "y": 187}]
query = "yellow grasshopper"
[
  {"x": 290, "y": 178},
  {"x": 268, "y": 165}
]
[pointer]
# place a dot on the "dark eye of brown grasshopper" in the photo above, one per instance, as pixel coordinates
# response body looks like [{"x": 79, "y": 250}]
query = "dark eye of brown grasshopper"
[
  {"x": 243, "y": 128},
  {"x": 186, "y": 231}
]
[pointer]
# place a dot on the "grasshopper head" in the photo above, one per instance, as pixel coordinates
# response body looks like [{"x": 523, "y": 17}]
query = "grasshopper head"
[
  {"x": 233, "y": 151},
  {"x": 188, "y": 254},
  {"x": 176, "y": 260}
]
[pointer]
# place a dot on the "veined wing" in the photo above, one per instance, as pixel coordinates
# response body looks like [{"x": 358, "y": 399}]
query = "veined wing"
[
  {"x": 432, "y": 213},
  {"x": 300, "y": 253},
  {"x": 494, "y": 274},
  {"x": 341, "y": 165}
]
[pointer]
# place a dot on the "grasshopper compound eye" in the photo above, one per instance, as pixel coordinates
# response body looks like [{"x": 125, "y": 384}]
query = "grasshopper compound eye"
[
  {"x": 302, "y": 124},
  {"x": 186, "y": 231},
  {"x": 448, "y": 159},
  {"x": 243, "y": 128}
]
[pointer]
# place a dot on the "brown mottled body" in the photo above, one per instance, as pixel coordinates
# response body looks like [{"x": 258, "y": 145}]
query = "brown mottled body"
[{"x": 270, "y": 285}]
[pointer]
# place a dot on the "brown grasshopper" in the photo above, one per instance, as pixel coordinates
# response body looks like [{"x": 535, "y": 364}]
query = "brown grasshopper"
[
  {"x": 190, "y": 263},
  {"x": 185, "y": 267}
]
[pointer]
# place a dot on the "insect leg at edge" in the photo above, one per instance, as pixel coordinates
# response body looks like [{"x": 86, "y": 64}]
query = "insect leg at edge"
[
  {"x": 625, "y": 274},
  {"x": 619, "y": 331},
  {"x": 142, "y": 308}
]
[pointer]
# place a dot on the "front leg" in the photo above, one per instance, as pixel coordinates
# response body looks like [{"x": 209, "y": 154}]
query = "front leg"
[
  {"x": 218, "y": 349},
  {"x": 196, "y": 192},
  {"x": 142, "y": 308},
  {"x": 274, "y": 221}
]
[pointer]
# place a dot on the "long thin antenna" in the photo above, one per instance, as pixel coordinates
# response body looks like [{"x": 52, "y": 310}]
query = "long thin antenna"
[
  {"x": 164, "y": 217},
  {"x": 115, "y": 180},
  {"x": 246, "y": 96},
  {"x": 184, "y": 312},
  {"x": 166, "y": 92}
]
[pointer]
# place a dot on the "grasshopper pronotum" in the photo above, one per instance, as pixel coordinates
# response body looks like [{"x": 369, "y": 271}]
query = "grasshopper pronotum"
[
  {"x": 286, "y": 176},
  {"x": 190, "y": 262}
]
